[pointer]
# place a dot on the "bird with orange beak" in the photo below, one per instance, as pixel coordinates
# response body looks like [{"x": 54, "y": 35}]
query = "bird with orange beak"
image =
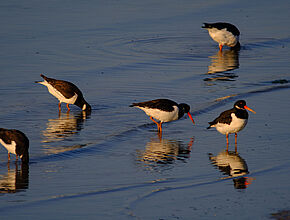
[
  {"x": 232, "y": 120},
  {"x": 164, "y": 110}
]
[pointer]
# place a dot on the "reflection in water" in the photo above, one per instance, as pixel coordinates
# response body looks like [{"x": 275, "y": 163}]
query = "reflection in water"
[
  {"x": 222, "y": 62},
  {"x": 61, "y": 128},
  {"x": 14, "y": 180},
  {"x": 64, "y": 126},
  {"x": 162, "y": 152},
  {"x": 233, "y": 165}
]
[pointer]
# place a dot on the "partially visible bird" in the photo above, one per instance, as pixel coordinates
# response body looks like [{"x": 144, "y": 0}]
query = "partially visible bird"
[
  {"x": 65, "y": 92},
  {"x": 164, "y": 110},
  {"x": 224, "y": 33},
  {"x": 16, "y": 143},
  {"x": 232, "y": 120}
]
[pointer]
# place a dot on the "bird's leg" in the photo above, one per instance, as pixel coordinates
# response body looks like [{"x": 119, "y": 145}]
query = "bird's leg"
[
  {"x": 221, "y": 47},
  {"x": 68, "y": 109},
  {"x": 227, "y": 137},
  {"x": 8, "y": 156},
  {"x": 59, "y": 106},
  {"x": 236, "y": 142},
  {"x": 160, "y": 127},
  {"x": 155, "y": 122},
  {"x": 160, "y": 136}
]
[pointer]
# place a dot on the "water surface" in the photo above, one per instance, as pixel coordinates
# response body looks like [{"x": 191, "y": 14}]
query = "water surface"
[{"x": 111, "y": 164}]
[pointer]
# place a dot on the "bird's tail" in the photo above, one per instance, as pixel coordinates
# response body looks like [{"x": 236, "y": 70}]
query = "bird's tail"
[
  {"x": 44, "y": 77},
  {"x": 210, "y": 125},
  {"x": 206, "y": 25}
]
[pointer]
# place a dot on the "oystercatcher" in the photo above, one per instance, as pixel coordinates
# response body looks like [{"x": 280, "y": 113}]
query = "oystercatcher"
[
  {"x": 16, "y": 143},
  {"x": 164, "y": 110},
  {"x": 224, "y": 33},
  {"x": 232, "y": 120},
  {"x": 65, "y": 92}
]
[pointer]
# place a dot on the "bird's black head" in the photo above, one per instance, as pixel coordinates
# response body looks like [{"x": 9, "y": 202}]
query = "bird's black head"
[
  {"x": 86, "y": 107},
  {"x": 206, "y": 25},
  {"x": 81, "y": 102},
  {"x": 184, "y": 107},
  {"x": 240, "y": 104}
]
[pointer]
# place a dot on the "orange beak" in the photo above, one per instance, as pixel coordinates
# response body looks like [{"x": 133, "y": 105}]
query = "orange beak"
[
  {"x": 246, "y": 107},
  {"x": 191, "y": 117}
]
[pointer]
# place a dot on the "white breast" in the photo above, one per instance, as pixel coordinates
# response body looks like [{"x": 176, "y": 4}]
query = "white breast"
[
  {"x": 10, "y": 147},
  {"x": 162, "y": 116},
  {"x": 236, "y": 125},
  {"x": 58, "y": 95},
  {"x": 223, "y": 37}
]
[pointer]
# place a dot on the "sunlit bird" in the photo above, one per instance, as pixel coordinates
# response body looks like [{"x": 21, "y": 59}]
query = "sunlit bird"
[
  {"x": 164, "y": 110},
  {"x": 16, "y": 143},
  {"x": 232, "y": 120},
  {"x": 65, "y": 92},
  {"x": 224, "y": 33}
]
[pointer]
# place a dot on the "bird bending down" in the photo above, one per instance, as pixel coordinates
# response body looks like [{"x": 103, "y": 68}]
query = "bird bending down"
[
  {"x": 164, "y": 110},
  {"x": 16, "y": 143},
  {"x": 65, "y": 92},
  {"x": 224, "y": 33},
  {"x": 232, "y": 120}
]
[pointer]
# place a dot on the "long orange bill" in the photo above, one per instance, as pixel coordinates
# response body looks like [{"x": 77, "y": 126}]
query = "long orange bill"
[
  {"x": 246, "y": 107},
  {"x": 190, "y": 117}
]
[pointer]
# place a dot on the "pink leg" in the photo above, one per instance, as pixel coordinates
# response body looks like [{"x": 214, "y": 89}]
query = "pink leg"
[
  {"x": 221, "y": 47},
  {"x": 158, "y": 125},
  {"x": 68, "y": 109},
  {"x": 236, "y": 142},
  {"x": 59, "y": 106},
  {"x": 8, "y": 156}
]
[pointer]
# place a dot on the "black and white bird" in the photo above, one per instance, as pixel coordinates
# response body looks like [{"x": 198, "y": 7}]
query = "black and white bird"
[
  {"x": 65, "y": 92},
  {"x": 232, "y": 120},
  {"x": 164, "y": 110},
  {"x": 224, "y": 33},
  {"x": 16, "y": 143}
]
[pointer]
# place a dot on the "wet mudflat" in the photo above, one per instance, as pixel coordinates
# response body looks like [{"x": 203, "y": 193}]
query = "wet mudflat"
[{"x": 111, "y": 164}]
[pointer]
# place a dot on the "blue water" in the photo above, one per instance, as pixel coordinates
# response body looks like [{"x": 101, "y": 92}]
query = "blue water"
[{"x": 111, "y": 164}]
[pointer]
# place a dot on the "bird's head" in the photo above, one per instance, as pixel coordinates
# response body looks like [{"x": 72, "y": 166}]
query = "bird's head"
[
  {"x": 185, "y": 108},
  {"x": 241, "y": 104}
]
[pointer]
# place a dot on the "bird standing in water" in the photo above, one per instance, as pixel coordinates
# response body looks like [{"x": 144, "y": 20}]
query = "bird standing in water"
[
  {"x": 232, "y": 120},
  {"x": 65, "y": 92},
  {"x": 224, "y": 33},
  {"x": 16, "y": 143},
  {"x": 164, "y": 110}
]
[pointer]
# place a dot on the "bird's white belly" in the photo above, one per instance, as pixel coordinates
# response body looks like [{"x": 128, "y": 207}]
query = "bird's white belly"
[
  {"x": 162, "y": 116},
  {"x": 223, "y": 37},
  {"x": 58, "y": 95},
  {"x": 10, "y": 147},
  {"x": 236, "y": 125}
]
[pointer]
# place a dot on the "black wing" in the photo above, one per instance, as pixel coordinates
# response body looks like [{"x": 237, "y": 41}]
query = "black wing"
[
  {"x": 66, "y": 88},
  {"x": 221, "y": 25},
  {"x": 162, "y": 104},
  {"x": 225, "y": 118}
]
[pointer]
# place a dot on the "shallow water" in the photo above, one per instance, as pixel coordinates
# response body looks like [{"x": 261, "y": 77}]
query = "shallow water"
[{"x": 111, "y": 164}]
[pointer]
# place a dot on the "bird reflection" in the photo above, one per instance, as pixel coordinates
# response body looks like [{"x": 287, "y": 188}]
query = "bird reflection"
[
  {"x": 15, "y": 180},
  {"x": 163, "y": 151},
  {"x": 232, "y": 164},
  {"x": 66, "y": 125},
  {"x": 221, "y": 63}
]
